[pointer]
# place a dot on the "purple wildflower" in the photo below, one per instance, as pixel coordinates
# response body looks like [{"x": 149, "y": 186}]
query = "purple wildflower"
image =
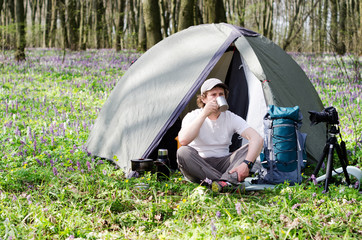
[
  {"x": 79, "y": 166},
  {"x": 213, "y": 228},
  {"x": 14, "y": 198},
  {"x": 39, "y": 162},
  {"x": 295, "y": 206},
  {"x": 238, "y": 208},
  {"x": 314, "y": 195},
  {"x": 55, "y": 171},
  {"x": 89, "y": 166},
  {"x": 218, "y": 214},
  {"x": 313, "y": 178},
  {"x": 29, "y": 199},
  {"x": 104, "y": 172},
  {"x": 348, "y": 214},
  {"x": 356, "y": 185}
]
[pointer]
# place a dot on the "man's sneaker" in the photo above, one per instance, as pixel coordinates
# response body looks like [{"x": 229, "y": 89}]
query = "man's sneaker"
[{"x": 223, "y": 187}]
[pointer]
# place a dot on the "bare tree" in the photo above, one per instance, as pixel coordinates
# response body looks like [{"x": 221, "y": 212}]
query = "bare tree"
[
  {"x": 82, "y": 26},
  {"x": 186, "y": 14},
  {"x": 47, "y": 5},
  {"x": 119, "y": 30},
  {"x": 53, "y": 23},
  {"x": 268, "y": 18},
  {"x": 214, "y": 11},
  {"x": 62, "y": 7},
  {"x": 20, "y": 30},
  {"x": 151, "y": 13},
  {"x": 73, "y": 26},
  {"x": 315, "y": 25},
  {"x": 341, "y": 46},
  {"x": 142, "y": 39},
  {"x": 334, "y": 24}
]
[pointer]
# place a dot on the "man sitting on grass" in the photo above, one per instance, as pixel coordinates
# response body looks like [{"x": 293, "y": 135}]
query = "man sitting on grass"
[{"x": 205, "y": 137}]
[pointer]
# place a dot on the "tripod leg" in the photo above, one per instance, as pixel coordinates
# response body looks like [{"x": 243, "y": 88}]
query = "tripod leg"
[
  {"x": 329, "y": 167},
  {"x": 321, "y": 159},
  {"x": 343, "y": 161}
]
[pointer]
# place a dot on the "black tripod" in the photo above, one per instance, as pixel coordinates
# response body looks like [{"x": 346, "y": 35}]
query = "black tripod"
[{"x": 328, "y": 150}]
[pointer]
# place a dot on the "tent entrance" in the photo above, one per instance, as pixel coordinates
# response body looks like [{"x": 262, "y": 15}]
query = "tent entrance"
[
  {"x": 230, "y": 70},
  {"x": 238, "y": 98}
]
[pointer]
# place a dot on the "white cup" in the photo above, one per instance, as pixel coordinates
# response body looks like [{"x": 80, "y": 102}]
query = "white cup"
[{"x": 223, "y": 105}]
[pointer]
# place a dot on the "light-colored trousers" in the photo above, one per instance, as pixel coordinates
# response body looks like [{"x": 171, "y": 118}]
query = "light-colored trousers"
[{"x": 196, "y": 169}]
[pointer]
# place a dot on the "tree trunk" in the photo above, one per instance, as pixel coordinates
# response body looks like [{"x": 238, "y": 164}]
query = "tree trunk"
[
  {"x": 334, "y": 24},
  {"x": 268, "y": 19},
  {"x": 120, "y": 24},
  {"x": 11, "y": 36},
  {"x": 240, "y": 10},
  {"x": 130, "y": 18},
  {"x": 186, "y": 14},
  {"x": 33, "y": 6},
  {"x": 53, "y": 24},
  {"x": 165, "y": 18},
  {"x": 73, "y": 28},
  {"x": 47, "y": 19},
  {"x": 98, "y": 23},
  {"x": 61, "y": 8},
  {"x": 90, "y": 23},
  {"x": 215, "y": 11},
  {"x": 142, "y": 40},
  {"x": 82, "y": 36},
  {"x": 173, "y": 16},
  {"x": 325, "y": 20},
  {"x": 312, "y": 27},
  {"x": 151, "y": 13},
  {"x": 11, "y": 7},
  {"x": 341, "y": 46},
  {"x": 20, "y": 30}
]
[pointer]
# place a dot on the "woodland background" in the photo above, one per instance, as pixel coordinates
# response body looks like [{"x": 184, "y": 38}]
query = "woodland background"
[{"x": 295, "y": 25}]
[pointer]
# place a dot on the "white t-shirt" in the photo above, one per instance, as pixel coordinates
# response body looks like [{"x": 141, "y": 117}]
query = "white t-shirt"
[{"x": 215, "y": 135}]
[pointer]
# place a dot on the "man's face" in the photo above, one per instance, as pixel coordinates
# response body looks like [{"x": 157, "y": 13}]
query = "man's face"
[{"x": 213, "y": 94}]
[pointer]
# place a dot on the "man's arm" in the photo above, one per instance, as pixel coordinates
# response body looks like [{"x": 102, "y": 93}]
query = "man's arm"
[
  {"x": 188, "y": 133},
  {"x": 254, "y": 149}
]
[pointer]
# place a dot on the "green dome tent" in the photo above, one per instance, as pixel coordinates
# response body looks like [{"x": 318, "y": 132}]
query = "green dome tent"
[{"x": 161, "y": 86}]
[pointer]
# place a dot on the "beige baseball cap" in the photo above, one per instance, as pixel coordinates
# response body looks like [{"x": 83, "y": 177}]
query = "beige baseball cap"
[{"x": 211, "y": 83}]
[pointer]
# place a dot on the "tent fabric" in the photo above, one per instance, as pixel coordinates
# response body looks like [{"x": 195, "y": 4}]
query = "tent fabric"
[
  {"x": 289, "y": 86},
  {"x": 164, "y": 81},
  {"x": 142, "y": 106}
]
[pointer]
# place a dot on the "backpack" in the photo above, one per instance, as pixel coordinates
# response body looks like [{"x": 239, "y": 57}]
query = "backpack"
[{"x": 284, "y": 146}]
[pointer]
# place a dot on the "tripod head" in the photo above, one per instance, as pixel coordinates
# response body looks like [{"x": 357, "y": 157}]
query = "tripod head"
[{"x": 332, "y": 129}]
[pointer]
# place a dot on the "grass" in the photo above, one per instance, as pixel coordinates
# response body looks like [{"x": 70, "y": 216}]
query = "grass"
[{"x": 50, "y": 188}]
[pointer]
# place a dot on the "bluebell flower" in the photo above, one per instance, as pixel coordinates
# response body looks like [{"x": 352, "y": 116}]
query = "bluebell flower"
[{"x": 55, "y": 171}]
